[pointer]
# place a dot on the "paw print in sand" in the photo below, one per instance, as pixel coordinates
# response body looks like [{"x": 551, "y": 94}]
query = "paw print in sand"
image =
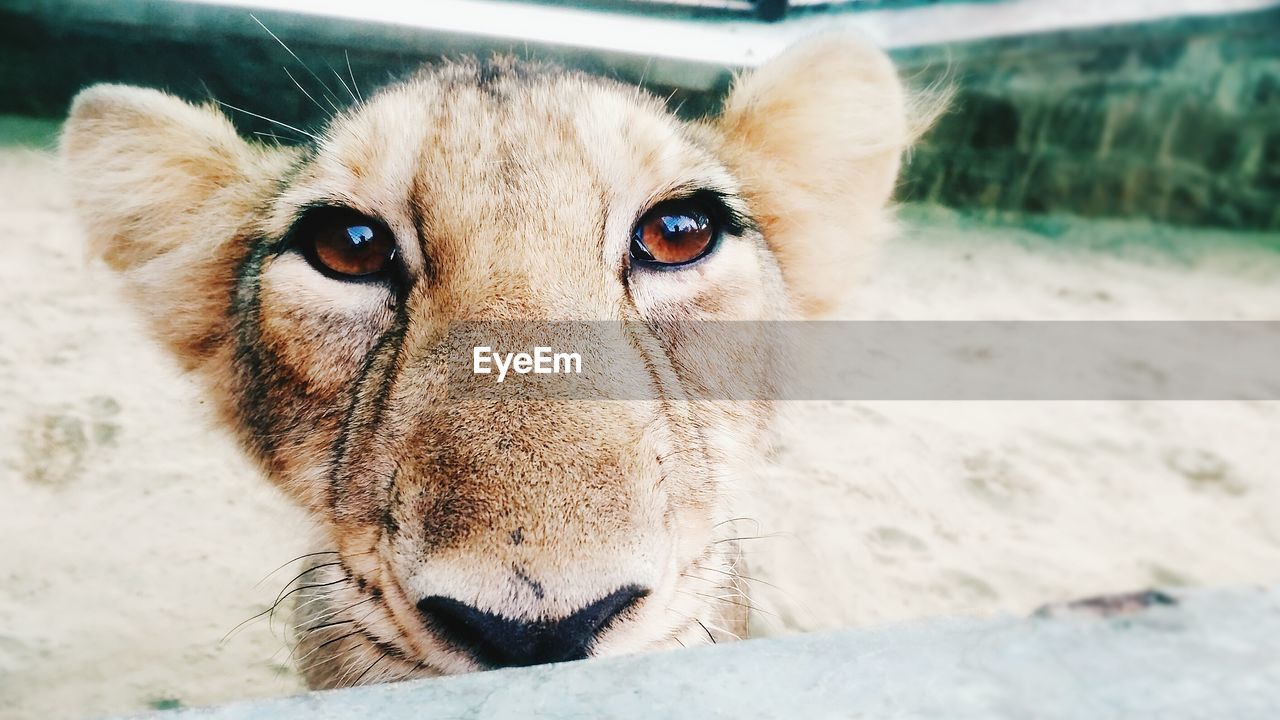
[{"x": 56, "y": 442}]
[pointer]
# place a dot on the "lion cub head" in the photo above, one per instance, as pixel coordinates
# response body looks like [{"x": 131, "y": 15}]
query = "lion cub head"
[{"x": 313, "y": 290}]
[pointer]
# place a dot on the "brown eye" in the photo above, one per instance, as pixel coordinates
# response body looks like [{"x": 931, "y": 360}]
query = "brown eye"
[
  {"x": 346, "y": 243},
  {"x": 674, "y": 233}
]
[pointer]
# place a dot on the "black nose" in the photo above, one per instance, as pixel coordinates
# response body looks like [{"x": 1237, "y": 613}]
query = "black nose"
[{"x": 499, "y": 642}]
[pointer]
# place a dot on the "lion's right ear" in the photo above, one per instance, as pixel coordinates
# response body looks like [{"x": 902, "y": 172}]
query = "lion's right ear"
[
  {"x": 140, "y": 162},
  {"x": 164, "y": 190},
  {"x": 816, "y": 135}
]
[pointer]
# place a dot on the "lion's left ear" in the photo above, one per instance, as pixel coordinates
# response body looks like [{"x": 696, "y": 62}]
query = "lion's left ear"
[
  {"x": 163, "y": 189},
  {"x": 816, "y": 136}
]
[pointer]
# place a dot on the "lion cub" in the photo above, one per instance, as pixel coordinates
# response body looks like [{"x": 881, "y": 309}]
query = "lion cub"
[{"x": 312, "y": 290}]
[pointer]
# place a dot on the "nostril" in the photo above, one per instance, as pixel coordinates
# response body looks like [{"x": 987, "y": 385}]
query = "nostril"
[
  {"x": 587, "y": 623},
  {"x": 463, "y": 625},
  {"x": 499, "y": 641}
]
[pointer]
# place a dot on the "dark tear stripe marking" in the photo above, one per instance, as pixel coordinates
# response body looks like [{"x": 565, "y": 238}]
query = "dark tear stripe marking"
[
  {"x": 246, "y": 316},
  {"x": 675, "y": 367},
  {"x": 417, "y": 193},
  {"x": 247, "y": 312},
  {"x": 651, "y": 367},
  {"x": 415, "y": 216},
  {"x": 396, "y": 334},
  {"x": 393, "y": 340},
  {"x": 746, "y": 223}
]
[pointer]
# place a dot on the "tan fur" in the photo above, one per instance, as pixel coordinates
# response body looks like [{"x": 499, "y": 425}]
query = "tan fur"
[
  {"x": 816, "y": 137},
  {"x": 511, "y": 191}
]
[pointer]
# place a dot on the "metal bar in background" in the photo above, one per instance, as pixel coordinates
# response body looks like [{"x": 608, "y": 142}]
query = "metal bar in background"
[
  {"x": 691, "y": 53},
  {"x": 1157, "y": 109}
]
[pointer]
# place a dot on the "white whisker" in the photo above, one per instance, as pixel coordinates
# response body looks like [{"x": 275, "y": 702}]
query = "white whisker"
[
  {"x": 306, "y": 67},
  {"x": 273, "y": 122},
  {"x": 359, "y": 96},
  {"x": 345, "y": 86},
  {"x": 304, "y": 90}
]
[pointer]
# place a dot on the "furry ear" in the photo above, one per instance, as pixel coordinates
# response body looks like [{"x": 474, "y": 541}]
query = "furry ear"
[
  {"x": 816, "y": 136},
  {"x": 163, "y": 189}
]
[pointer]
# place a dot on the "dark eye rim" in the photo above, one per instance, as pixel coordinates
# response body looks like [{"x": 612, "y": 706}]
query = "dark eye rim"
[
  {"x": 710, "y": 203},
  {"x": 297, "y": 240}
]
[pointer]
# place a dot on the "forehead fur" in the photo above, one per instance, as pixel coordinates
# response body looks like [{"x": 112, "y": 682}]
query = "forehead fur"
[{"x": 503, "y": 158}]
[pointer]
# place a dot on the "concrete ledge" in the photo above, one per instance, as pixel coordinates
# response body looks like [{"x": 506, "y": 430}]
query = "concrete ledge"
[{"x": 1211, "y": 654}]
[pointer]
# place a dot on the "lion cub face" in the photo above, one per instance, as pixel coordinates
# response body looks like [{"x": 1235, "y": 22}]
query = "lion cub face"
[{"x": 318, "y": 292}]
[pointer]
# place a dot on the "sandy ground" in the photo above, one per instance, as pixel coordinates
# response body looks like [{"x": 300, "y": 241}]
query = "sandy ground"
[{"x": 134, "y": 538}]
